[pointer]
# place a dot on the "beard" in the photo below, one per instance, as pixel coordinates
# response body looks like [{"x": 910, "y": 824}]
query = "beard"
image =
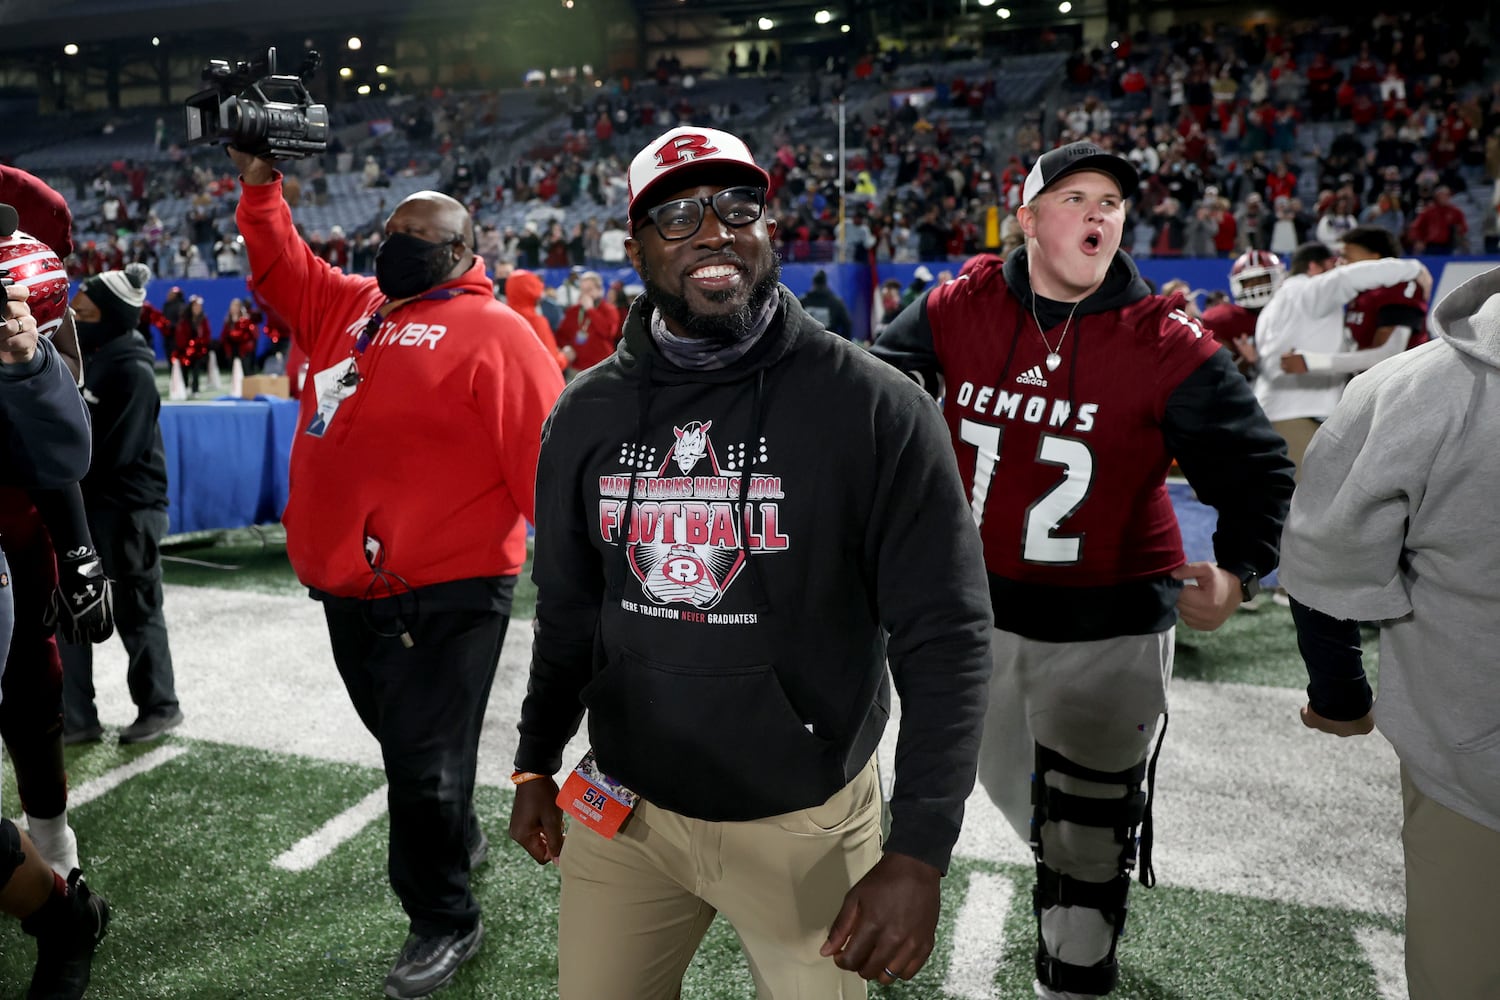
[{"x": 730, "y": 327}]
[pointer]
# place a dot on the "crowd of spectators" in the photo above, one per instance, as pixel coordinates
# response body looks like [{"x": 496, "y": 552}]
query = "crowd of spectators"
[{"x": 1263, "y": 138}]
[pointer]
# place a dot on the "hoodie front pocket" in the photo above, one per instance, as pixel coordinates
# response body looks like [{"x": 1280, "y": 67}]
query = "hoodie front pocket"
[{"x": 719, "y": 742}]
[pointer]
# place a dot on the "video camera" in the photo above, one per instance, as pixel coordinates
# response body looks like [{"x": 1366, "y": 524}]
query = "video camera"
[{"x": 262, "y": 113}]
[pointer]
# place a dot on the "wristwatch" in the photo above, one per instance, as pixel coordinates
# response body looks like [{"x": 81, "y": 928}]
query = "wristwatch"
[{"x": 1249, "y": 586}]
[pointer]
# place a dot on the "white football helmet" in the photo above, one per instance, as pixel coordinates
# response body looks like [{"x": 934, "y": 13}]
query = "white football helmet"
[{"x": 1255, "y": 277}]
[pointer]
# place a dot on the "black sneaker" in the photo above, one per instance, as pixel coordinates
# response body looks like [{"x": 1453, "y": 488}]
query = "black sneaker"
[
  {"x": 150, "y": 727},
  {"x": 427, "y": 963},
  {"x": 67, "y": 932}
]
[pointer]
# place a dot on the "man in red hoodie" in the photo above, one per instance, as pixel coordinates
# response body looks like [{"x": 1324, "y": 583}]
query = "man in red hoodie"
[
  {"x": 1440, "y": 228},
  {"x": 413, "y": 477},
  {"x": 591, "y": 327}
]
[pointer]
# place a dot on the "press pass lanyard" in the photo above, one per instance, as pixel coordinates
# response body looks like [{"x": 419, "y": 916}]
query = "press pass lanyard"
[{"x": 367, "y": 335}]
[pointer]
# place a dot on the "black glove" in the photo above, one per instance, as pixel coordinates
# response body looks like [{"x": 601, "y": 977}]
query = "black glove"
[{"x": 80, "y": 606}]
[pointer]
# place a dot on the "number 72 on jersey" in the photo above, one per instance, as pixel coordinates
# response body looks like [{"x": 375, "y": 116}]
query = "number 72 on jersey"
[{"x": 1040, "y": 541}]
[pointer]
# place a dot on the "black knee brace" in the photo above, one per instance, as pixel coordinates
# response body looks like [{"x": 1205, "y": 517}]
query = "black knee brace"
[
  {"x": 11, "y": 855},
  {"x": 1129, "y": 816}
]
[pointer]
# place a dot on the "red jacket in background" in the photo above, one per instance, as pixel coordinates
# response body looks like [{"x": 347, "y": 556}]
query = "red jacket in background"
[
  {"x": 592, "y": 334},
  {"x": 191, "y": 339},
  {"x": 433, "y": 452},
  {"x": 523, "y": 290},
  {"x": 1443, "y": 225},
  {"x": 239, "y": 337}
]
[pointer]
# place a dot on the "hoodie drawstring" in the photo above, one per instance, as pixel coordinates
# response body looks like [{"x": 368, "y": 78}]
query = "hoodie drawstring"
[{"x": 757, "y": 425}]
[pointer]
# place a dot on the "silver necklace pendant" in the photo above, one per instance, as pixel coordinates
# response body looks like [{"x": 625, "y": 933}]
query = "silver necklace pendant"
[{"x": 1053, "y": 360}]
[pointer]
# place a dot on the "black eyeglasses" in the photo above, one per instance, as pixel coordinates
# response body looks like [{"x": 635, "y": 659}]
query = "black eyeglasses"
[{"x": 736, "y": 206}]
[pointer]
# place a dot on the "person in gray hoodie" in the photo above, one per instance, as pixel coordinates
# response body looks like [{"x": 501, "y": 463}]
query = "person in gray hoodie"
[{"x": 1393, "y": 523}]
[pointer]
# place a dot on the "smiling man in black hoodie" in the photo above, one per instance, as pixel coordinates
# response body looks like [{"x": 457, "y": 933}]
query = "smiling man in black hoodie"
[
  {"x": 740, "y": 516},
  {"x": 1069, "y": 391}
]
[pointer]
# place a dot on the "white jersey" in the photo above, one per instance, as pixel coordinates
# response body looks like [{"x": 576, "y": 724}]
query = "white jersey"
[{"x": 1307, "y": 314}]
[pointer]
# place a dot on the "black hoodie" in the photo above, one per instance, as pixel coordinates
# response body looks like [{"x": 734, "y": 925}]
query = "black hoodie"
[
  {"x": 129, "y": 470},
  {"x": 734, "y": 675}
]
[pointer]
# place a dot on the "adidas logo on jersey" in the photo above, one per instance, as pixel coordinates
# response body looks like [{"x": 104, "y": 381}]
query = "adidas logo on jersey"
[{"x": 1032, "y": 377}]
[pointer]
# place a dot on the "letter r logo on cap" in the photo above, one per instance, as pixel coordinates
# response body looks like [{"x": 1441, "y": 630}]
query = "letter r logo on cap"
[{"x": 684, "y": 147}]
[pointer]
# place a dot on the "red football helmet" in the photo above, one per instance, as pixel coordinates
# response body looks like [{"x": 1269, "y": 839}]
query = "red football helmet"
[
  {"x": 33, "y": 264},
  {"x": 1255, "y": 277}
]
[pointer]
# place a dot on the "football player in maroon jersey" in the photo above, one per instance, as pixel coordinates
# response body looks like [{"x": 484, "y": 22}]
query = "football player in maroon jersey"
[
  {"x": 1070, "y": 389},
  {"x": 1382, "y": 322},
  {"x": 1253, "y": 279}
]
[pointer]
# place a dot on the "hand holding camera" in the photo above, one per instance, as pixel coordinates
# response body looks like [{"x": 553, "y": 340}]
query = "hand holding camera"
[{"x": 253, "y": 169}]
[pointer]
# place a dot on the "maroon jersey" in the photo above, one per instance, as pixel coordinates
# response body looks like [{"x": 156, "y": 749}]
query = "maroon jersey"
[
  {"x": 1066, "y": 469},
  {"x": 1227, "y": 321},
  {"x": 1393, "y": 305}
]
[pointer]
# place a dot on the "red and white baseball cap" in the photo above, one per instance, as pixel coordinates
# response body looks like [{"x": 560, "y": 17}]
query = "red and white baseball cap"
[{"x": 683, "y": 153}]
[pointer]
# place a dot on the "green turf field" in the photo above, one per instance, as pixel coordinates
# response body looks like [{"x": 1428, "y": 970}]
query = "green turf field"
[{"x": 185, "y": 845}]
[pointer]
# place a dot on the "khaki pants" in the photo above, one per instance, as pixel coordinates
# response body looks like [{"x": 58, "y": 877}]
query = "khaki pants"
[
  {"x": 1452, "y": 883},
  {"x": 635, "y": 908},
  {"x": 1298, "y": 434}
]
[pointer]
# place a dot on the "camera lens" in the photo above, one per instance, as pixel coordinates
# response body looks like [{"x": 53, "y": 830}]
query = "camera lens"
[{"x": 245, "y": 121}]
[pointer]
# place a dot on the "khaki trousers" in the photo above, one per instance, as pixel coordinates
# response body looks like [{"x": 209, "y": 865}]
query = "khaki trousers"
[
  {"x": 635, "y": 908},
  {"x": 1452, "y": 883},
  {"x": 1298, "y": 434}
]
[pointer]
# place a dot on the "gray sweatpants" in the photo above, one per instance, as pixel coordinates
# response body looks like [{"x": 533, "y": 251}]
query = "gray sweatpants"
[{"x": 1098, "y": 704}]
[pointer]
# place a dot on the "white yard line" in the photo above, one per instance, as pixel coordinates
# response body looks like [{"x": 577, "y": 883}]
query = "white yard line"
[
  {"x": 1386, "y": 953},
  {"x": 109, "y": 781},
  {"x": 979, "y": 937},
  {"x": 344, "y": 827}
]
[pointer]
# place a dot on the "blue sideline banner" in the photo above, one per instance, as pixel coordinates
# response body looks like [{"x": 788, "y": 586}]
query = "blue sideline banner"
[{"x": 854, "y": 283}]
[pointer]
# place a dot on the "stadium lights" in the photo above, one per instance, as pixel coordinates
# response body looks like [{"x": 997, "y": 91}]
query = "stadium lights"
[
  {"x": 345, "y": 72},
  {"x": 382, "y": 69},
  {"x": 364, "y": 89},
  {"x": 766, "y": 24},
  {"x": 70, "y": 49},
  {"x": 1064, "y": 7},
  {"x": 823, "y": 16},
  {"x": 354, "y": 43},
  {"x": 844, "y": 28},
  {"x": 1003, "y": 13},
  {"x": 155, "y": 40},
  {"x": 986, "y": 3},
  {"x": 1115, "y": 44}
]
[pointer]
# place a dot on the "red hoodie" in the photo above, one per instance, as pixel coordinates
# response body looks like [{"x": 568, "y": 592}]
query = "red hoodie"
[
  {"x": 523, "y": 290},
  {"x": 434, "y": 453}
]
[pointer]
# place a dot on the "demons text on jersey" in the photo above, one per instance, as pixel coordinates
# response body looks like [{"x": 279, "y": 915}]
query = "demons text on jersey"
[{"x": 989, "y": 401}]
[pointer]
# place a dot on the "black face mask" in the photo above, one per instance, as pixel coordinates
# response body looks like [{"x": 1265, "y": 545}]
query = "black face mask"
[
  {"x": 406, "y": 265},
  {"x": 92, "y": 336}
]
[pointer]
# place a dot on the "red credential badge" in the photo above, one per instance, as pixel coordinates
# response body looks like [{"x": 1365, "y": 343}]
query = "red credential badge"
[{"x": 595, "y": 799}]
